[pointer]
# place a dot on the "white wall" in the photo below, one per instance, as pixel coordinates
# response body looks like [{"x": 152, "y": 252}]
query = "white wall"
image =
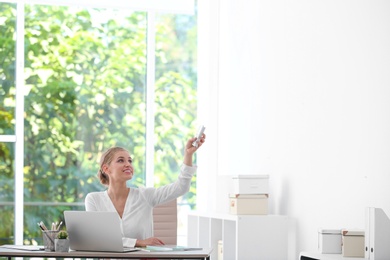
[{"x": 299, "y": 90}]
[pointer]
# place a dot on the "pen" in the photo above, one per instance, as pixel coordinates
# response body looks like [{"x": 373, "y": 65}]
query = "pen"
[
  {"x": 42, "y": 225},
  {"x": 58, "y": 228}
]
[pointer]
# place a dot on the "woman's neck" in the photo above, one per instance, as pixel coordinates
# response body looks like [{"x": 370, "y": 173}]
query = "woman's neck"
[{"x": 118, "y": 191}]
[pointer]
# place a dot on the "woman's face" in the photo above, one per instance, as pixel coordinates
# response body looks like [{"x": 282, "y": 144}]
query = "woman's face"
[{"x": 121, "y": 167}]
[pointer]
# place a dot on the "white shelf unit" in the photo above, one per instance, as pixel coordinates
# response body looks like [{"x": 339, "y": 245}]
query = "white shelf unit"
[
  {"x": 243, "y": 236},
  {"x": 319, "y": 256}
]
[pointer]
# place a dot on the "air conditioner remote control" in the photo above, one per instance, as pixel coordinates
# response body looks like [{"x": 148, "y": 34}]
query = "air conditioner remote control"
[{"x": 198, "y": 135}]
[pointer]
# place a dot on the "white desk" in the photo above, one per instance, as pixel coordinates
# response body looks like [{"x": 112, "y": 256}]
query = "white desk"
[
  {"x": 196, "y": 254},
  {"x": 318, "y": 256}
]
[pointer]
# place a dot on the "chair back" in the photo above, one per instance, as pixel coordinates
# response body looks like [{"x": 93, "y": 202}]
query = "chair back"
[{"x": 165, "y": 222}]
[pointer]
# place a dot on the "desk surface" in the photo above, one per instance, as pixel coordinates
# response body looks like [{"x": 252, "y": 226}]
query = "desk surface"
[{"x": 196, "y": 254}]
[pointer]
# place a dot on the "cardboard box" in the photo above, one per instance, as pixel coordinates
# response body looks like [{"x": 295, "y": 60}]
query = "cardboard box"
[
  {"x": 249, "y": 204},
  {"x": 352, "y": 243},
  {"x": 329, "y": 241},
  {"x": 250, "y": 184}
]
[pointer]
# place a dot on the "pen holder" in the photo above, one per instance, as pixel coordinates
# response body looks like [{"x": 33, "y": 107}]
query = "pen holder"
[{"x": 48, "y": 239}]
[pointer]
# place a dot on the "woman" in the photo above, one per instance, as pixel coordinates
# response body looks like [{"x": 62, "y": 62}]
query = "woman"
[{"x": 135, "y": 205}]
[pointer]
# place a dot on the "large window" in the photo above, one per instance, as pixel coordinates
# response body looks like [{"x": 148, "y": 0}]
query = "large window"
[
  {"x": 7, "y": 120},
  {"x": 92, "y": 78}
]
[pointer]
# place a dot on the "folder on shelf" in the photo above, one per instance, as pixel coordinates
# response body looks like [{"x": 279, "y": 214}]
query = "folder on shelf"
[{"x": 377, "y": 235}]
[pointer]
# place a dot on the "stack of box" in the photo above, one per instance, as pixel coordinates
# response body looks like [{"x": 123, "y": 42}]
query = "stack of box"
[{"x": 250, "y": 195}]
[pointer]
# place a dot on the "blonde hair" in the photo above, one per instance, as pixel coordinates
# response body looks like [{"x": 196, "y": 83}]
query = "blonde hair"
[{"x": 107, "y": 158}]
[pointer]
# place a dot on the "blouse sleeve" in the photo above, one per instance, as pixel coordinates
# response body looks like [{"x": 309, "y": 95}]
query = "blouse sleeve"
[
  {"x": 173, "y": 190},
  {"x": 129, "y": 242}
]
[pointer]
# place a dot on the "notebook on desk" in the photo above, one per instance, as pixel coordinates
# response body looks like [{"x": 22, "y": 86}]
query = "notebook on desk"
[
  {"x": 95, "y": 231},
  {"x": 24, "y": 247},
  {"x": 172, "y": 248}
]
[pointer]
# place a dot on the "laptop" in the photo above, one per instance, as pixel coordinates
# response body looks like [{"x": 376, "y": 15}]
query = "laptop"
[{"x": 95, "y": 231}]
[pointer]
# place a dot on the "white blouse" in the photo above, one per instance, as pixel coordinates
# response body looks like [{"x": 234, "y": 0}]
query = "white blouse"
[{"x": 137, "y": 218}]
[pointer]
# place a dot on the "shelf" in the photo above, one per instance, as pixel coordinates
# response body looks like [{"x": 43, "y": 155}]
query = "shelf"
[
  {"x": 318, "y": 256},
  {"x": 243, "y": 236}
]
